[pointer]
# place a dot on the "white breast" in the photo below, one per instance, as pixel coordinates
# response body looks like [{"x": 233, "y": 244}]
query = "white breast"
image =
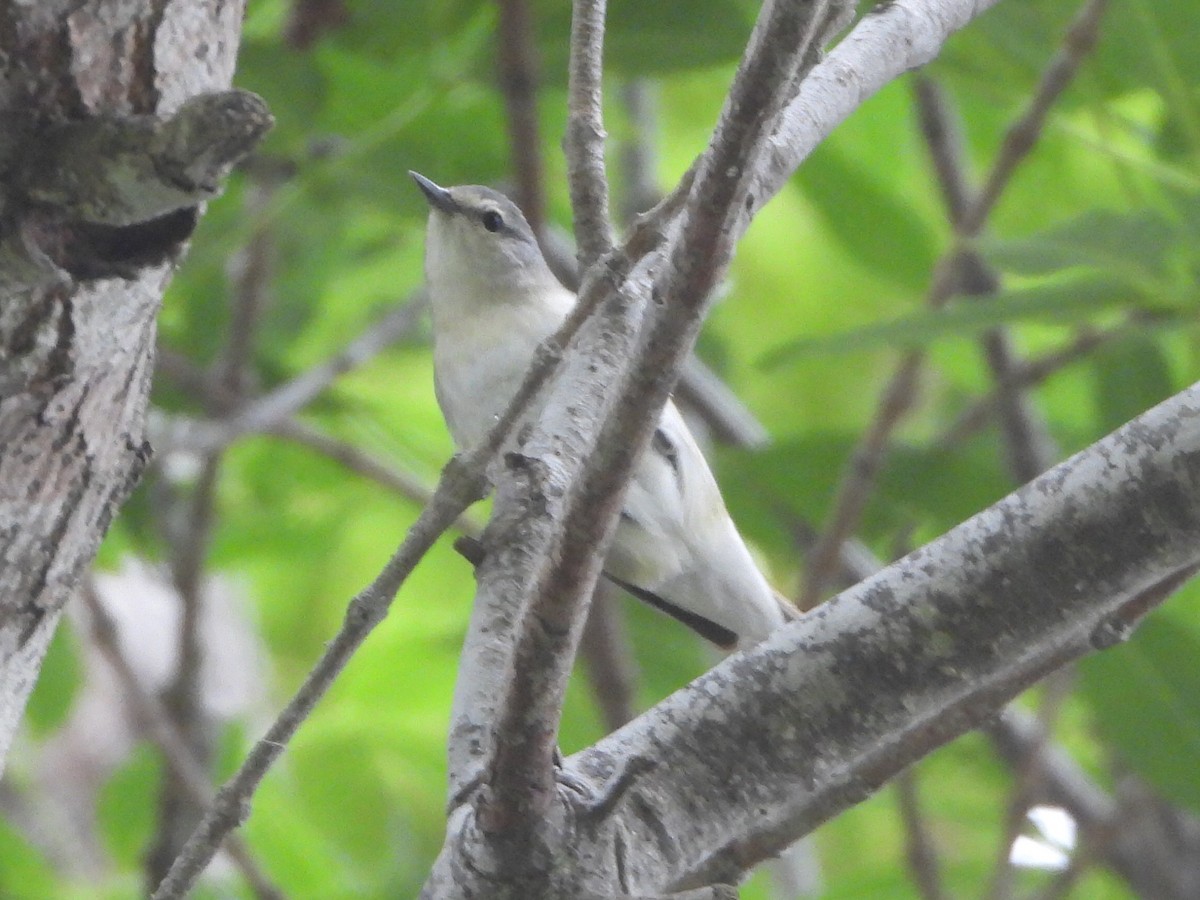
[{"x": 480, "y": 358}]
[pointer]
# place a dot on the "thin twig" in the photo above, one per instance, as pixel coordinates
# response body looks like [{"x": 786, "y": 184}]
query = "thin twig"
[
  {"x": 858, "y": 479},
  {"x": 1023, "y": 134},
  {"x": 1023, "y": 376},
  {"x": 517, "y": 61},
  {"x": 1028, "y": 446},
  {"x": 611, "y": 668},
  {"x": 920, "y": 849},
  {"x": 520, "y": 785},
  {"x": 189, "y": 542},
  {"x": 155, "y": 722},
  {"x": 292, "y": 396},
  {"x": 462, "y": 482},
  {"x": 584, "y": 141},
  {"x": 942, "y": 132}
]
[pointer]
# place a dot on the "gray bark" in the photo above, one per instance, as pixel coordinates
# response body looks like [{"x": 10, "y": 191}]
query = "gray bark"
[
  {"x": 110, "y": 144},
  {"x": 757, "y": 752}
]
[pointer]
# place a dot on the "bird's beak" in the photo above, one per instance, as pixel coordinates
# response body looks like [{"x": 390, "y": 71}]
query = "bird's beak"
[{"x": 438, "y": 196}]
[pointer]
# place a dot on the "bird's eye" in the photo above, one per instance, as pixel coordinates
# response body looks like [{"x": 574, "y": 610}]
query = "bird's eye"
[{"x": 492, "y": 221}]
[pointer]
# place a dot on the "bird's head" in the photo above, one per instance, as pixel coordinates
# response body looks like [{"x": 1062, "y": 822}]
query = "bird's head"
[{"x": 477, "y": 238}]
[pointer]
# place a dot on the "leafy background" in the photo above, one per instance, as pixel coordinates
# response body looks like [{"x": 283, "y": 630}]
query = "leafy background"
[{"x": 1097, "y": 230}]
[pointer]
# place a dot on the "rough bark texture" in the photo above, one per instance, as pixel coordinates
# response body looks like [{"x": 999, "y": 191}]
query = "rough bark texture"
[
  {"x": 84, "y": 262},
  {"x": 773, "y": 741}
]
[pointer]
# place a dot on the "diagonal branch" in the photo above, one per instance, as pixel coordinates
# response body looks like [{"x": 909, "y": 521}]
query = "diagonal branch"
[
  {"x": 156, "y": 722},
  {"x": 1024, "y": 133},
  {"x": 958, "y": 271},
  {"x": 275, "y": 406},
  {"x": 1063, "y": 566},
  {"x": 517, "y": 796},
  {"x": 462, "y": 482}
]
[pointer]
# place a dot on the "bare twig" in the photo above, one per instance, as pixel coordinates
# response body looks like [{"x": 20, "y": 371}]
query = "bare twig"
[
  {"x": 953, "y": 271},
  {"x": 275, "y": 406},
  {"x": 520, "y": 787},
  {"x": 606, "y": 654},
  {"x": 1023, "y": 134},
  {"x": 1029, "y": 447},
  {"x": 189, "y": 521},
  {"x": 1023, "y": 376},
  {"x": 157, "y": 724},
  {"x": 942, "y": 132},
  {"x": 190, "y": 541},
  {"x": 893, "y": 39},
  {"x": 584, "y": 141},
  {"x": 516, "y": 56},
  {"x": 463, "y": 481},
  {"x": 363, "y": 463},
  {"x": 918, "y": 842}
]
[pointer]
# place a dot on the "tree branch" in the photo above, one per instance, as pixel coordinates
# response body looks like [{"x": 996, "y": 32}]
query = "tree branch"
[
  {"x": 463, "y": 481},
  {"x": 516, "y": 55},
  {"x": 584, "y": 141},
  {"x": 266, "y": 411},
  {"x": 918, "y": 842},
  {"x": 1024, "y": 133},
  {"x": 1038, "y": 579},
  {"x": 187, "y": 523},
  {"x": 960, "y": 270},
  {"x": 156, "y": 723}
]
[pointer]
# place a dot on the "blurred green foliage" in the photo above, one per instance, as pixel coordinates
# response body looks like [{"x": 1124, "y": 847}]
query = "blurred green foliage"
[{"x": 828, "y": 287}]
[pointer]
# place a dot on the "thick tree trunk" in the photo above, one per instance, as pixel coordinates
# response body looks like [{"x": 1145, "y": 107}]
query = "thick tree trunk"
[{"x": 101, "y": 177}]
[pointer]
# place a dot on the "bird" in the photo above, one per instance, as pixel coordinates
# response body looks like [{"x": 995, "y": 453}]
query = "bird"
[{"x": 493, "y": 300}]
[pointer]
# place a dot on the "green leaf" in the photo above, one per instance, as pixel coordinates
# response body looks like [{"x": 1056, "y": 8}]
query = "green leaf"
[
  {"x": 869, "y": 217},
  {"x": 24, "y": 872},
  {"x": 1146, "y": 699},
  {"x": 1140, "y": 43},
  {"x": 57, "y": 685},
  {"x": 1137, "y": 245},
  {"x": 125, "y": 809},
  {"x": 1130, "y": 376},
  {"x": 795, "y": 480},
  {"x": 649, "y": 38},
  {"x": 1063, "y": 300}
]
